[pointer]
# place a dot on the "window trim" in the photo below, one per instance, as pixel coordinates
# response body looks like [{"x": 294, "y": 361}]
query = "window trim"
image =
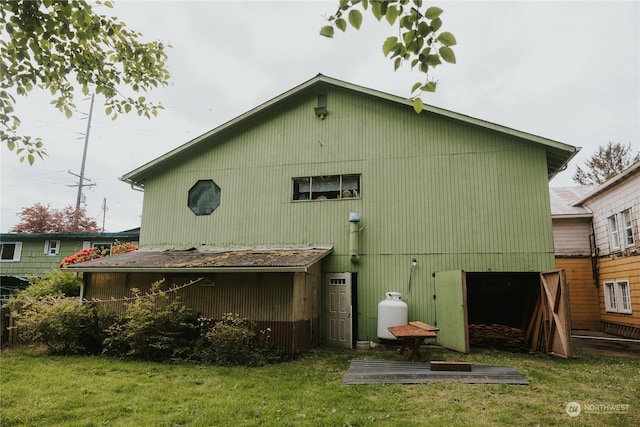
[
  {"x": 617, "y": 296},
  {"x": 610, "y": 300},
  {"x": 624, "y": 296},
  {"x": 17, "y": 251},
  {"x": 627, "y": 228},
  {"x": 340, "y": 191},
  {"x": 614, "y": 232},
  {"x": 48, "y": 247}
]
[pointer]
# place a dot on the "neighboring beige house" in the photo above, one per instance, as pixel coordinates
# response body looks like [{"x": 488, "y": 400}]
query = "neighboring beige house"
[
  {"x": 597, "y": 242},
  {"x": 572, "y": 239}
]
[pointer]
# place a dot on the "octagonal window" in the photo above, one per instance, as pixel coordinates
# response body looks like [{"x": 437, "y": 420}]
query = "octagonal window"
[{"x": 204, "y": 197}]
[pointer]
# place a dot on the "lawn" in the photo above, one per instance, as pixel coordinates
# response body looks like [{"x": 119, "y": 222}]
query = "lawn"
[{"x": 38, "y": 389}]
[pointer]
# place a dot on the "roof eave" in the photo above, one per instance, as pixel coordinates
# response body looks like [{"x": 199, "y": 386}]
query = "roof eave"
[
  {"x": 572, "y": 216},
  {"x": 182, "y": 270}
]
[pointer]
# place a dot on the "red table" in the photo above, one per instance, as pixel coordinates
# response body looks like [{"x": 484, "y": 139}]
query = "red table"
[{"x": 413, "y": 336}]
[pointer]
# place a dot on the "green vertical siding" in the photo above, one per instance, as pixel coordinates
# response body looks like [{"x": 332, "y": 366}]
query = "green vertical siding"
[{"x": 452, "y": 195}]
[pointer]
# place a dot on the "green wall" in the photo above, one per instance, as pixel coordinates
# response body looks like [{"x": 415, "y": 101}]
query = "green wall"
[
  {"x": 34, "y": 261},
  {"x": 451, "y": 195}
]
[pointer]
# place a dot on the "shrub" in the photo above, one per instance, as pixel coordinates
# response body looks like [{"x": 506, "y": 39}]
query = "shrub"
[
  {"x": 64, "y": 325},
  {"x": 234, "y": 341},
  {"x": 152, "y": 328},
  {"x": 53, "y": 284}
]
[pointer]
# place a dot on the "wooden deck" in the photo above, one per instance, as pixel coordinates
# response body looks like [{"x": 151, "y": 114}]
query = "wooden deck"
[{"x": 399, "y": 372}]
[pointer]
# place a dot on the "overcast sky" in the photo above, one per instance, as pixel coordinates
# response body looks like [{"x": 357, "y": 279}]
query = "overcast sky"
[{"x": 568, "y": 71}]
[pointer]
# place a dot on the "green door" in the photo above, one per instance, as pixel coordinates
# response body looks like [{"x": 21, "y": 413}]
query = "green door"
[{"x": 451, "y": 310}]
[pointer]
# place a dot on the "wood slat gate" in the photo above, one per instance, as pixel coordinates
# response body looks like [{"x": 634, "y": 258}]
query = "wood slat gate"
[{"x": 550, "y": 326}]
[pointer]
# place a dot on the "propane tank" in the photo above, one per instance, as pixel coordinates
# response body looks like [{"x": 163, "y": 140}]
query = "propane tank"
[{"x": 392, "y": 311}]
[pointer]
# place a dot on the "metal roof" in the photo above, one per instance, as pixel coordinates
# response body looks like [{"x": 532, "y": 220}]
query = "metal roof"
[
  {"x": 201, "y": 261},
  {"x": 563, "y": 200},
  {"x": 558, "y": 154}
]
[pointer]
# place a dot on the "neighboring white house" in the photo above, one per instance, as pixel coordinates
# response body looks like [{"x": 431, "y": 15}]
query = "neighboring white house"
[{"x": 597, "y": 240}]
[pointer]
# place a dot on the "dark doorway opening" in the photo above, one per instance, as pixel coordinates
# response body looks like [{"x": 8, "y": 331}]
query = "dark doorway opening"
[{"x": 500, "y": 307}]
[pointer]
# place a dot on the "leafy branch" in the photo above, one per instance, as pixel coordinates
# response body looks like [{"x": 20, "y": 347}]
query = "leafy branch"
[
  {"x": 420, "y": 40},
  {"x": 58, "y": 46}
]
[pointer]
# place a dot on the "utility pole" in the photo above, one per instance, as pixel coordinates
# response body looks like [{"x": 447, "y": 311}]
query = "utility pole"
[
  {"x": 81, "y": 177},
  {"x": 104, "y": 212}
]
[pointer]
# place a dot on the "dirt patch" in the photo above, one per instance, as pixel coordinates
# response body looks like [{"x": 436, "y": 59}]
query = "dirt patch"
[{"x": 593, "y": 342}]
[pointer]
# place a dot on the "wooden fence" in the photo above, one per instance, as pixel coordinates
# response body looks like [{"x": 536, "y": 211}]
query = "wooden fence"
[{"x": 10, "y": 334}]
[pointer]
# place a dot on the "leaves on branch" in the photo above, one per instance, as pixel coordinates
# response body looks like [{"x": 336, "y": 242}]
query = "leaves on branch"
[
  {"x": 61, "y": 46},
  {"x": 419, "y": 41}
]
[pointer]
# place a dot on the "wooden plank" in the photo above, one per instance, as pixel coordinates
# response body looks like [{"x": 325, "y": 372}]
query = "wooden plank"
[
  {"x": 410, "y": 331},
  {"x": 556, "y": 321},
  {"x": 424, "y": 326},
  {"x": 450, "y": 366}
]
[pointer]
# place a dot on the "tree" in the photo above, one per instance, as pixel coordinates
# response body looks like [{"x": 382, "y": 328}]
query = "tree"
[
  {"x": 60, "y": 45},
  {"x": 606, "y": 163},
  {"x": 43, "y": 219},
  {"x": 421, "y": 42}
]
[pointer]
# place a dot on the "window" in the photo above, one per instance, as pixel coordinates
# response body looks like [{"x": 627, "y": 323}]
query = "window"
[
  {"x": 627, "y": 227},
  {"x": 52, "y": 247},
  {"x": 10, "y": 252},
  {"x": 614, "y": 238},
  {"x": 204, "y": 197},
  {"x": 610, "y": 297},
  {"x": 104, "y": 248},
  {"x": 617, "y": 296},
  {"x": 326, "y": 187}
]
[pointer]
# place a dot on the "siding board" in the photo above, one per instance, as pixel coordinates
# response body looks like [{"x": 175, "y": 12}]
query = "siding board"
[{"x": 452, "y": 195}]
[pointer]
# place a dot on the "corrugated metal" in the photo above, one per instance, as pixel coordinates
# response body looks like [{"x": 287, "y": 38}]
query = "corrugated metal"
[
  {"x": 448, "y": 193},
  {"x": 269, "y": 299}
]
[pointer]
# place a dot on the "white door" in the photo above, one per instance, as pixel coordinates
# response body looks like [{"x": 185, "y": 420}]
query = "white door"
[{"x": 338, "y": 303}]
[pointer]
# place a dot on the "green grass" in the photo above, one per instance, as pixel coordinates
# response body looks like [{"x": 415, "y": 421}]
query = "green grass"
[{"x": 37, "y": 389}]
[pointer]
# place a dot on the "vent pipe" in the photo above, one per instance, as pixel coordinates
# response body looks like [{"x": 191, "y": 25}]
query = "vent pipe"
[{"x": 354, "y": 229}]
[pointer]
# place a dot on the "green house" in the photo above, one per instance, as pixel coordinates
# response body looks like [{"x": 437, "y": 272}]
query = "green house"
[
  {"x": 305, "y": 211},
  {"x": 35, "y": 254}
]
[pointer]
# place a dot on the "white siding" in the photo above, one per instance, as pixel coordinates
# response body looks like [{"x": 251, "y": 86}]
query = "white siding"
[
  {"x": 571, "y": 236},
  {"x": 614, "y": 201}
]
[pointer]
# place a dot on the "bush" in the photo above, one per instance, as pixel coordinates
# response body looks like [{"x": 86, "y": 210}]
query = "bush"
[
  {"x": 234, "y": 341},
  {"x": 54, "y": 284},
  {"x": 152, "y": 328},
  {"x": 64, "y": 325}
]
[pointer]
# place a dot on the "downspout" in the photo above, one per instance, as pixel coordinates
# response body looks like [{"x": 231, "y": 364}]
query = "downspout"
[{"x": 594, "y": 256}]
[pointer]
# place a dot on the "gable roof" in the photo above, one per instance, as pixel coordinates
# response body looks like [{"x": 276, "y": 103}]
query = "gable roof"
[
  {"x": 558, "y": 154},
  {"x": 626, "y": 174}
]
